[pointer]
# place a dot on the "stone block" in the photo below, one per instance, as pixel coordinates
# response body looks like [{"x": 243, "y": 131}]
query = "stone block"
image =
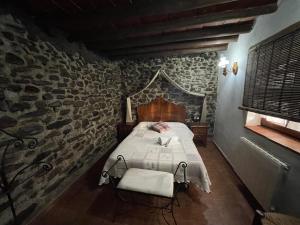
[
  {"x": 20, "y": 106},
  {"x": 78, "y": 103},
  {"x": 31, "y": 89},
  {"x": 6, "y": 121},
  {"x": 16, "y": 28},
  {"x": 8, "y": 35},
  {"x": 22, "y": 81},
  {"x": 62, "y": 85},
  {"x": 42, "y": 156},
  {"x": 11, "y": 58},
  {"x": 4, "y": 80},
  {"x": 41, "y": 82},
  {"x": 58, "y": 124},
  {"x": 53, "y": 77},
  {"x": 55, "y": 104},
  {"x": 14, "y": 87},
  {"x": 30, "y": 130},
  {"x": 41, "y": 104},
  {"x": 58, "y": 91},
  {"x": 68, "y": 102},
  {"x": 64, "y": 112},
  {"x": 47, "y": 96},
  {"x": 28, "y": 98},
  {"x": 85, "y": 123},
  {"x": 60, "y": 97},
  {"x": 42, "y": 59},
  {"x": 36, "y": 113},
  {"x": 66, "y": 131}
]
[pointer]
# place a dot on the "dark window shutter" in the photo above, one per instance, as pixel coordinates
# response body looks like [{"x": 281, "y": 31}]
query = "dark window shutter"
[{"x": 272, "y": 81}]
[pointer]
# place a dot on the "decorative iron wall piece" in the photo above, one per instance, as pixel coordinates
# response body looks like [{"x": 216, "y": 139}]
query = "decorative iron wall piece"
[{"x": 7, "y": 184}]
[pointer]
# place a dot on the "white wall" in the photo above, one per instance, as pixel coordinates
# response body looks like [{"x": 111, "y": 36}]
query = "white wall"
[{"x": 229, "y": 125}]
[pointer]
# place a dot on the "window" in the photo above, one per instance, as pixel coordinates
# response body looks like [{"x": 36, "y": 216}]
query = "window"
[
  {"x": 281, "y": 131},
  {"x": 282, "y": 122},
  {"x": 272, "y": 81},
  {"x": 256, "y": 119}
]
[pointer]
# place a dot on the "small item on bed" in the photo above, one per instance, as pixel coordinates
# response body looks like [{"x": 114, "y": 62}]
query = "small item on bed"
[
  {"x": 160, "y": 127},
  {"x": 164, "y": 141},
  {"x": 174, "y": 140}
]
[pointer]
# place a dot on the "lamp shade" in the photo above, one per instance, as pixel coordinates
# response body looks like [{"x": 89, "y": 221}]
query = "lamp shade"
[{"x": 223, "y": 62}]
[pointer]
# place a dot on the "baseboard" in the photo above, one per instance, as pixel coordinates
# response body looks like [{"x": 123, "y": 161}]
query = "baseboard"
[
  {"x": 67, "y": 183},
  {"x": 223, "y": 154}
]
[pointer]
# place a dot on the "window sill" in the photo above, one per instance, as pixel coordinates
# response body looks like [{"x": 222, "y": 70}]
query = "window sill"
[{"x": 286, "y": 141}]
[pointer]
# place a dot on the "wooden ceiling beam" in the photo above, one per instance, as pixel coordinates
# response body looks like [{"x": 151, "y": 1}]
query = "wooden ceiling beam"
[
  {"x": 180, "y": 52},
  {"x": 176, "y": 46},
  {"x": 211, "y": 32},
  {"x": 139, "y": 8},
  {"x": 150, "y": 29},
  {"x": 159, "y": 7}
]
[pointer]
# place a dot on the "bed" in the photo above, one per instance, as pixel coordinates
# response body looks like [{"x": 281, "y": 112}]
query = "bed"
[{"x": 141, "y": 149}]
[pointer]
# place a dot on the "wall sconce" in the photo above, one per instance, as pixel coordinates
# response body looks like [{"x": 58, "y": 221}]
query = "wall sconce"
[
  {"x": 223, "y": 64},
  {"x": 235, "y": 68}
]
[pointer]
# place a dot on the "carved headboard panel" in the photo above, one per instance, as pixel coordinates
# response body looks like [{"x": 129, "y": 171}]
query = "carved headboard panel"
[{"x": 161, "y": 110}]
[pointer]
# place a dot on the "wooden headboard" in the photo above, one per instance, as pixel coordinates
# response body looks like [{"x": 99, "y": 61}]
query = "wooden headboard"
[{"x": 161, "y": 110}]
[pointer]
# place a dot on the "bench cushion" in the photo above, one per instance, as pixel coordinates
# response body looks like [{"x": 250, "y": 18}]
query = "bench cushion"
[{"x": 148, "y": 181}]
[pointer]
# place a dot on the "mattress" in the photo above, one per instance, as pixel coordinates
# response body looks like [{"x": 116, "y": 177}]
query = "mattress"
[{"x": 142, "y": 150}]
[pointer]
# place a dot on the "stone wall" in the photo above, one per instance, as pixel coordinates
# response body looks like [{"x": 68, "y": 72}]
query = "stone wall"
[
  {"x": 197, "y": 74},
  {"x": 70, "y": 104}
]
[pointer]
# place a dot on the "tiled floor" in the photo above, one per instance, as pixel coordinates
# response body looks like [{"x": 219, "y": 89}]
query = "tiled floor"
[{"x": 87, "y": 204}]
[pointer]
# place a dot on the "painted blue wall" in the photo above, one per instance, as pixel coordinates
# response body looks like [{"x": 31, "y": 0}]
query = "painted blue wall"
[{"x": 229, "y": 124}]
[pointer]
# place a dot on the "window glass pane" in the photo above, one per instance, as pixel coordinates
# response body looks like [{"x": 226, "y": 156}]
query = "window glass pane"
[
  {"x": 279, "y": 121},
  {"x": 253, "y": 119},
  {"x": 294, "y": 126}
]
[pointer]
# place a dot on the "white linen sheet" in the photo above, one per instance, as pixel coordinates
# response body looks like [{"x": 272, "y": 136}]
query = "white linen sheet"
[{"x": 142, "y": 150}]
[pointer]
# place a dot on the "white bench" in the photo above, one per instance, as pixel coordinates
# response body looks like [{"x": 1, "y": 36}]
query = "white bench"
[
  {"x": 148, "y": 181},
  {"x": 151, "y": 182}
]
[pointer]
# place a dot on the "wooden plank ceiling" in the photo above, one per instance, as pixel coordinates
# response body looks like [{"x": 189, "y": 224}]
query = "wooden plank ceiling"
[{"x": 146, "y": 28}]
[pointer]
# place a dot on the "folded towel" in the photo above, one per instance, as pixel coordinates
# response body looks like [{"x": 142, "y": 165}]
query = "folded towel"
[
  {"x": 174, "y": 140},
  {"x": 164, "y": 141}
]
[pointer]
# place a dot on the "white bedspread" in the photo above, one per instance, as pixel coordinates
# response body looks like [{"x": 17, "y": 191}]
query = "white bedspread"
[{"x": 142, "y": 150}]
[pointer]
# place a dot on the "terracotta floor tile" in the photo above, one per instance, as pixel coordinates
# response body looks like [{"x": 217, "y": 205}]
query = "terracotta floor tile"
[{"x": 85, "y": 203}]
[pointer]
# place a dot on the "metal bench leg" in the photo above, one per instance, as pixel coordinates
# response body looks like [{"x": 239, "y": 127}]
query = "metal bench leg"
[
  {"x": 178, "y": 204},
  {"x": 117, "y": 208},
  {"x": 170, "y": 209}
]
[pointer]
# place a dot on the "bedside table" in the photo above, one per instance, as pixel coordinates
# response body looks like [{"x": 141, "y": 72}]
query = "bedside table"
[
  {"x": 200, "y": 131},
  {"x": 124, "y": 129}
]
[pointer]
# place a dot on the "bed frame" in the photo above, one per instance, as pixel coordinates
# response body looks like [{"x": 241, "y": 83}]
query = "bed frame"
[{"x": 161, "y": 110}]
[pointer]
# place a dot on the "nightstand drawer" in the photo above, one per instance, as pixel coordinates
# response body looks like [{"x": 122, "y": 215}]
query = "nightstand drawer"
[{"x": 199, "y": 130}]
